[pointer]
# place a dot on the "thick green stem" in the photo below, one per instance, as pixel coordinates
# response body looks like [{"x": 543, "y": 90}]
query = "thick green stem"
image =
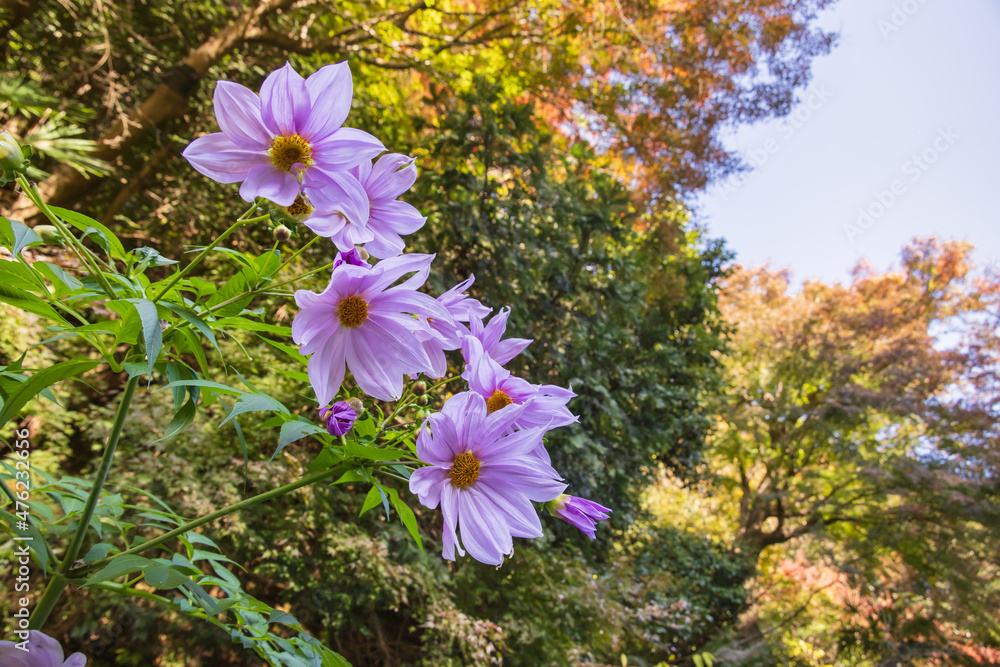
[
  {"x": 218, "y": 514},
  {"x": 204, "y": 253},
  {"x": 58, "y": 582}
]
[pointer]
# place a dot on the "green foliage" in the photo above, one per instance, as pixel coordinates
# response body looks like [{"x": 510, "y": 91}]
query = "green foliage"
[{"x": 619, "y": 301}]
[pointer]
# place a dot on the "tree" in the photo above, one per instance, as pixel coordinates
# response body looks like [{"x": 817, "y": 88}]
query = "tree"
[
  {"x": 854, "y": 418},
  {"x": 653, "y": 83}
]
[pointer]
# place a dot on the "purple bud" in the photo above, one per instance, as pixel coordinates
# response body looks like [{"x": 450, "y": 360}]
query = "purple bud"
[
  {"x": 579, "y": 512},
  {"x": 339, "y": 418},
  {"x": 352, "y": 257}
]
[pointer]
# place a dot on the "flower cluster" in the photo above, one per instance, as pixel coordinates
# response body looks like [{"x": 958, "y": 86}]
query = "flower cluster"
[{"x": 485, "y": 453}]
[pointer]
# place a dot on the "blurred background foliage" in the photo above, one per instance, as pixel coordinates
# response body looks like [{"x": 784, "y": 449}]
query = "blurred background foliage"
[{"x": 796, "y": 479}]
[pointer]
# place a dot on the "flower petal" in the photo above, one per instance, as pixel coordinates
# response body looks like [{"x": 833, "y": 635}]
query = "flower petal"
[
  {"x": 326, "y": 368},
  {"x": 426, "y": 483},
  {"x": 330, "y": 92},
  {"x": 221, "y": 159},
  {"x": 373, "y": 357},
  {"x": 449, "y": 509},
  {"x": 484, "y": 532},
  {"x": 237, "y": 110},
  {"x": 284, "y": 102},
  {"x": 345, "y": 148},
  {"x": 398, "y": 216},
  {"x": 340, "y": 191},
  {"x": 266, "y": 181},
  {"x": 391, "y": 176}
]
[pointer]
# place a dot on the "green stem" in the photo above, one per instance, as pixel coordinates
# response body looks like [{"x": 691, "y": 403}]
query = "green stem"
[
  {"x": 81, "y": 251},
  {"x": 218, "y": 514},
  {"x": 243, "y": 220},
  {"x": 58, "y": 582}
]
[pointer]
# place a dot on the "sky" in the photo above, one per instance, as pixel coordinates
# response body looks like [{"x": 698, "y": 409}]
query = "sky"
[{"x": 897, "y": 136}]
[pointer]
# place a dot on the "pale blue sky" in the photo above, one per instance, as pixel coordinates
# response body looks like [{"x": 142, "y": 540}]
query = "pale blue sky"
[{"x": 908, "y": 78}]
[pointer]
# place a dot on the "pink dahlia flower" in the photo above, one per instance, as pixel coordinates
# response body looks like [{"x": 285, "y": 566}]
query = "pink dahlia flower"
[
  {"x": 291, "y": 132},
  {"x": 389, "y": 218},
  {"x": 579, "y": 512},
  {"x": 545, "y": 404},
  {"x": 441, "y": 335},
  {"x": 43, "y": 651},
  {"x": 483, "y": 478},
  {"x": 362, "y": 321},
  {"x": 501, "y": 351}
]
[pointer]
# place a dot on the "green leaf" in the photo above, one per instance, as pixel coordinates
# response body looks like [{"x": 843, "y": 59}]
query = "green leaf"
[
  {"x": 162, "y": 577},
  {"x": 118, "y": 566},
  {"x": 27, "y": 301},
  {"x": 407, "y": 517},
  {"x": 357, "y": 450},
  {"x": 16, "y": 274},
  {"x": 278, "y": 616},
  {"x": 21, "y": 235},
  {"x": 194, "y": 321},
  {"x": 58, "y": 275},
  {"x": 181, "y": 419},
  {"x": 255, "y": 403},
  {"x": 84, "y": 223},
  {"x": 205, "y": 384},
  {"x": 152, "y": 334},
  {"x": 295, "y": 430},
  {"x": 39, "y": 381},
  {"x": 373, "y": 498}
]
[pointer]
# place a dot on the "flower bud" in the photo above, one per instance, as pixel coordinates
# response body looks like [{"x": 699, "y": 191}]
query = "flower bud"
[
  {"x": 48, "y": 233},
  {"x": 282, "y": 233},
  {"x": 11, "y": 157},
  {"x": 339, "y": 418},
  {"x": 362, "y": 253},
  {"x": 356, "y": 405},
  {"x": 420, "y": 389},
  {"x": 422, "y": 401}
]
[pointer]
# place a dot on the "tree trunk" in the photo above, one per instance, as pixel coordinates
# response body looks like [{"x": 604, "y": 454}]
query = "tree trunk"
[{"x": 168, "y": 101}]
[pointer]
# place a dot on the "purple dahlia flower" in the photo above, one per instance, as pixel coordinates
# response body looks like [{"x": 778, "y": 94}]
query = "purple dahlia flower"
[
  {"x": 43, "y": 651},
  {"x": 579, "y": 512},
  {"x": 362, "y": 321},
  {"x": 545, "y": 404},
  {"x": 389, "y": 218},
  {"x": 483, "y": 479},
  {"x": 489, "y": 335},
  {"x": 339, "y": 418},
  {"x": 441, "y": 335},
  {"x": 291, "y": 132}
]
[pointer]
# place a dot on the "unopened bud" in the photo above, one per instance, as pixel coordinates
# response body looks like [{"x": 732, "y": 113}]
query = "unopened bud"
[
  {"x": 422, "y": 401},
  {"x": 282, "y": 233},
  {"x": 356, "y": 405},
  {"x": 420, "y": 388},
  {"x": 362, "y": 252},
  {"x": 48, "y": 233},
  {"x": 11, "y": 157}
]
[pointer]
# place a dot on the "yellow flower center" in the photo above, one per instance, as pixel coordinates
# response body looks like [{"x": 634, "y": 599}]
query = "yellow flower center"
[
  {"x": 288, "y": 151},
  {"x": 498, "y": 401},
  {"x": 464, "y": 470},
  {"x": 300, "y": 207},
  {"x": 352, "y": 311}
]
